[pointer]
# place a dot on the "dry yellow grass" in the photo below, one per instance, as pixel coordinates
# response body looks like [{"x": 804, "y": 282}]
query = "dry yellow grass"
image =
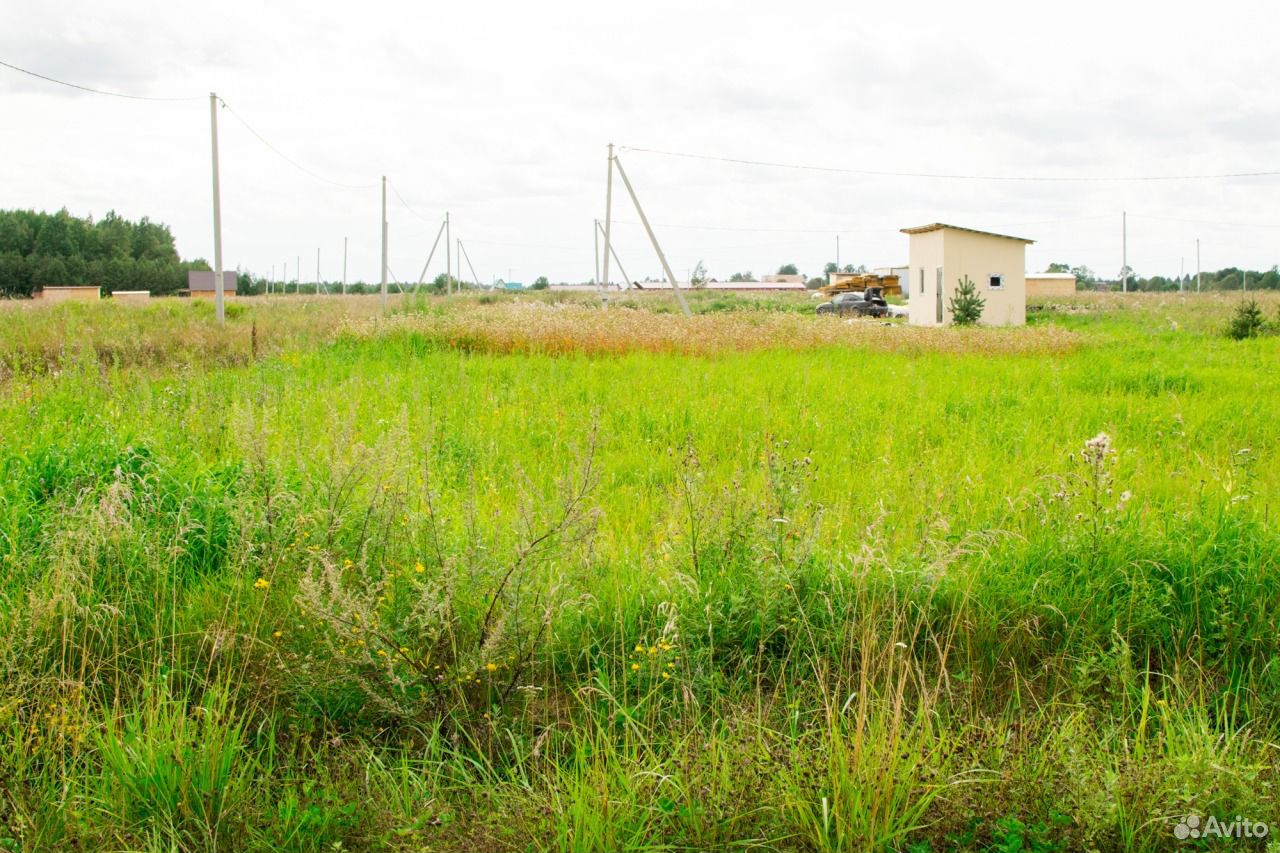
[{"x": 558, "y": 329}]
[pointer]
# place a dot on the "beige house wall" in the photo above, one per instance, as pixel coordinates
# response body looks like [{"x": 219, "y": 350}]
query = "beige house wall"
[
  {"x": 924, "y": 261},
  {"x": 1044, "y": 286},
  {"x": 950, "y": 255},
  {"x": 132, "y": 297},
  {"x": 71, "y": 294}
]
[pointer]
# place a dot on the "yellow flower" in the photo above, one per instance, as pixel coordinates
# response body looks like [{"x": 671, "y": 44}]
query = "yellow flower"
[
  {"x": 382, "y": 653},
  {"x": 635, "y": 667},
  {"x": 492, "y": 667},
  {"x": 277, "y": 634},
  {"x": 403, "y": 650},
  {"x": 666, "y": 675},
  {"x": 419, "y": 568},
  {"x": 347, "y": 563},
  {"x": 261, "y": 583}
]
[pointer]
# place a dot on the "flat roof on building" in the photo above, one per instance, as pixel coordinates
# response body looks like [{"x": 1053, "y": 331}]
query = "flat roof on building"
[{"x": 938, "y": 226}]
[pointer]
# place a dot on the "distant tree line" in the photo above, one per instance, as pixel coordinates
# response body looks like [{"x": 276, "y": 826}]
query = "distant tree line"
[
  {"x": 38, "y": 249},
  {"x": 1228, "y": 278}
]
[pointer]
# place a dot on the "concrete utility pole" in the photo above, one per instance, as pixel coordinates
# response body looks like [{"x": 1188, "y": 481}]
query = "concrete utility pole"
[
  {"x": 448, "y": 256},
  {"x": 1199, "y": 275},
  {"x": 1124, "y": 250},
  {"x": 383, "y": 291},
  {"x": 430, "y": 255},
  {"x": 344, "y": 266},
  {"x": 613, "y": 251},
  {"x": 608, "y": 222},
  {"x": 219, "y": 308},
  {"x": 644, "y": 220}
]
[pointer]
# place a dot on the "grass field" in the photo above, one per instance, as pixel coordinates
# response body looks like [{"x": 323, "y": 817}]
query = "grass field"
[{"x": 521, "y": 574}]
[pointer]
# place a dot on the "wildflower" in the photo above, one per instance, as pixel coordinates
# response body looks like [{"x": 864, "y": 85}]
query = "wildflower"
[
  {"x": 492, "y": 667},
  {"x": 277, "y": 634},
  {"x": 666, "y": 675},
  {"x": 347, "y": 563},
  {"x": 635, "y": 667},
  {"x": 404, "y": 650},
  {"x": 419, "y": 568},
  {"x": 261, "y": 583},
  {"x": 382, "y": 653},
  {"x": 1125, "y": 496}
]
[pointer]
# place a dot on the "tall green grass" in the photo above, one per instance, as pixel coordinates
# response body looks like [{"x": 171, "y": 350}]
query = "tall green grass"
[{"x": 360, "y": 591}]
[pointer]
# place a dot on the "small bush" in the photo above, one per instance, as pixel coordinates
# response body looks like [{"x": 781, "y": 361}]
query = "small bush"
[
  {"x": 1247, "y": 322},
  {"x": 966, "y": 306}
]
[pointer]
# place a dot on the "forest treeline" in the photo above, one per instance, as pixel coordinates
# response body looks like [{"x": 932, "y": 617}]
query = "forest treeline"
[{"x": 38, "y": 249}]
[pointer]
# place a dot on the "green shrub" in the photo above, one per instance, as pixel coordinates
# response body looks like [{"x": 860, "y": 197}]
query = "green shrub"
[{"x": 966, "y": 306}]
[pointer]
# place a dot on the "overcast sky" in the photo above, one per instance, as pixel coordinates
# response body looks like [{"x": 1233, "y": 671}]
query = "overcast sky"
[{"x": 500, "y": 112}]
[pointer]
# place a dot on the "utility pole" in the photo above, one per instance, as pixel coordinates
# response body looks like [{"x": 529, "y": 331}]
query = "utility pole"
[
  {"x": 383, "y": 291},
  {"x": 1124, "y": 250},
  {"x": 1199, "y": 275},
  {"x": 644, "y": 220},
  {"x": 613, "y": 251},
  {"x": 448, "y": 256},
  {"x": 219, "y": 308},
  {"x": 344, "y": 266},
  {"x": 608, "y": 224}
]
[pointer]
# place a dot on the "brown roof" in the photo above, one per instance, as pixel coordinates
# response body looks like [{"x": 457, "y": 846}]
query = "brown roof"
[{"x": 938, "y": 226}]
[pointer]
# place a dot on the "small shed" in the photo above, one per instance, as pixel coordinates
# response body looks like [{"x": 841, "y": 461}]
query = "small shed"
[
  {"x": 1050, "y": 284},
  {"x": 942, "y": 255},
  {"x": 200, "y": 284},
  {"x": 132, "y": 297},
  {"x": 70, "y": 293}
]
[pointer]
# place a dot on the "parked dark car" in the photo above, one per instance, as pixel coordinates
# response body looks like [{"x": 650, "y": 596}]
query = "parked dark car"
[{"x": 857, "y": 303}]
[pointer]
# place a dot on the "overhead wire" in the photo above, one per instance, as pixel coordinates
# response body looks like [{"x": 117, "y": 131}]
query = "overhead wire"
[
  {"x": 286, "y": 157},
  {"x": 955, "y": 176},
  {"x": 94, "y": 91}
]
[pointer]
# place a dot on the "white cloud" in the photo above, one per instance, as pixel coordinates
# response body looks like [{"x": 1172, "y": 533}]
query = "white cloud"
[{"x": 500, "y": 113}]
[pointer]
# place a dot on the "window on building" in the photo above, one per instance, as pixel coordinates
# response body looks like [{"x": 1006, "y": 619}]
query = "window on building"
[
  {"x": 922, "y": 279},
  {"x": 995, "y": 281}
]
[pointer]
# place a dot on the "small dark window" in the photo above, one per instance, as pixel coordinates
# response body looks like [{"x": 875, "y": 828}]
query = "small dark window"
[{"x": 995, "y": 281}]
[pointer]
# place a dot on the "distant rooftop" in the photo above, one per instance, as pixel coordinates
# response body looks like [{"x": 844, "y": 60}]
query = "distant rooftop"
[{"x": 938, "y": 226}]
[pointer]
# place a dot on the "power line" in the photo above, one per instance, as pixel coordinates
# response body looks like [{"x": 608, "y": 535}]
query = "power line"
[
  {"x": 1207, "y": 221},
  {"x": 294, "y": 163},
  {"x": 410, "y": 207},
  {"x": 90, "y": 89},
  {"x": 956, "y": 177}
]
